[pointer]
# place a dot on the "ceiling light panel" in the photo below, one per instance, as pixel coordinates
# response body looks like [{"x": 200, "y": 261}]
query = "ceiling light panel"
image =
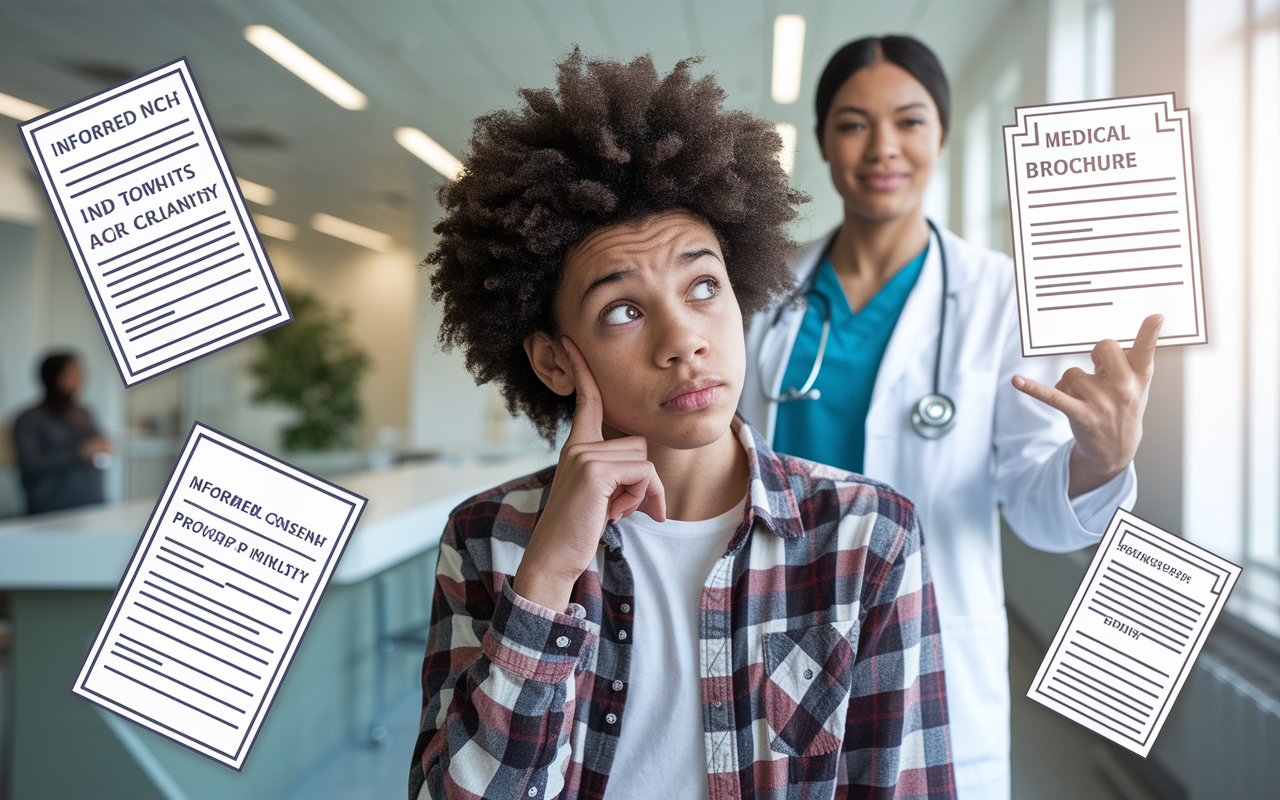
[
  {"x": 351, "y": 232},
  {"x": 430, "y": 151},
  {"x": 302, "y": 64},
  {"x": 20, "y": 110},
  {"x": 788, "y": 53},
  {"x": 256, "y": 192},
  {"x": 275, "y": 228}
]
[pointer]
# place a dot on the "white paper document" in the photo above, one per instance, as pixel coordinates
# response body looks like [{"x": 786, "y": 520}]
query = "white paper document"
[
  {"x": 1103, "y": 205},
  {"x": 155, "y": 221},
  {"x": 1133, "y": 631},
  {"x": 218, "y": 594}
]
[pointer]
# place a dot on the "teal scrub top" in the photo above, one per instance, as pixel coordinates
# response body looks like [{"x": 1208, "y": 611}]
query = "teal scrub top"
[{"x": 833, "y": 429}]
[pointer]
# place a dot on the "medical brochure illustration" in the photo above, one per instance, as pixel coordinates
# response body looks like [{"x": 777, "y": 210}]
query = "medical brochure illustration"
[
  {"x": 1133, "y": 631},
  {"x": 154, "y": 220},
  {"x": 1103, "y": 205},
  {"x": 220, "y": 590}
]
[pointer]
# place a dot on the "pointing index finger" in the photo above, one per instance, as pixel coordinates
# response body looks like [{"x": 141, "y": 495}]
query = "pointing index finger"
[{"x": 588, "y": 418}]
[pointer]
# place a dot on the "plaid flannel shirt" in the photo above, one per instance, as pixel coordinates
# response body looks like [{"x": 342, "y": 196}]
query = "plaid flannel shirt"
[{"x": 820, "y": 656}]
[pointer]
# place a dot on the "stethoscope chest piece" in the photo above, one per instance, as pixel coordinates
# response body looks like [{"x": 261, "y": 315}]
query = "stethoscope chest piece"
[{"x": 933, "y": 416}]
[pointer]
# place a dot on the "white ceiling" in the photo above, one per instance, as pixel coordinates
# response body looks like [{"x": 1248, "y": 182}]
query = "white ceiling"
[{"x": 432, "y": 64}]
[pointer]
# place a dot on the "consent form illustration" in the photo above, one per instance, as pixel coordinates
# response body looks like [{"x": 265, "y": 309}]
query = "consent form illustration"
[
  {"x": 154, "y": 219},
  {"x": 1103, "y": 205},
  {"x": 1133, "y": 631},
  {"x": 217, "y": 596}
]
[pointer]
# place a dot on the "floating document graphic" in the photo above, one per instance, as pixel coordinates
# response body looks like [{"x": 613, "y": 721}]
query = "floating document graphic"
[
  {"x": 155, "y": 222},
  {"x": 1103, "y": 204},
  {"x": 218, "y": 594},
  {"x": 1133, "y": 631}
]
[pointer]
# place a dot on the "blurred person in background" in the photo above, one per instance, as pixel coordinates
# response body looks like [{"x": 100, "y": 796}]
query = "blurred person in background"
[{"x": 60, "y": 450}]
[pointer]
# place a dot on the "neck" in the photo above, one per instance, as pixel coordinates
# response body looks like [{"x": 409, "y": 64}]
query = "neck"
[
  {"x": 703, "y": 482},
  {"x": 875, "y": 249}
]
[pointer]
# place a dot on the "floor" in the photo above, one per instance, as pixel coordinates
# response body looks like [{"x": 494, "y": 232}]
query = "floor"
[{"x": 1051, "y": 755}]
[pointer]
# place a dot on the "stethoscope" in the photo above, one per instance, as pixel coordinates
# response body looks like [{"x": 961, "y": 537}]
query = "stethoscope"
[{"x": 934, "y": 415}]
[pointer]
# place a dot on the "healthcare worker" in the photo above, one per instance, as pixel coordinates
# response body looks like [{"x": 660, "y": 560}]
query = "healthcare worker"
[{"x": 901, "y": 359}]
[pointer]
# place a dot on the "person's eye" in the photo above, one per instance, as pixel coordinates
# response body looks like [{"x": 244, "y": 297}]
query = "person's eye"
[
  {"x": 706, "y": 289},
  {"x": 620, "y": 314},
  {"x": 848, "y": 127},
  {"x": 913, "y": 122}
]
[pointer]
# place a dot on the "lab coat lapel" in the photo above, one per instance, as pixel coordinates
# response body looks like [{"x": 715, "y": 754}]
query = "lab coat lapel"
[{"x": 911, "y": 346}]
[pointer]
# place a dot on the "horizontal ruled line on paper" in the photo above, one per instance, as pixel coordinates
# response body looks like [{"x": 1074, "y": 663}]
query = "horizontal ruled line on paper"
[
  {"x": 1123, "y": 653},
  {"x": 1102, "y": 200},
  {"x": 178, "y": 243},
  {"x": 1101, "y": 219},
  {"x": 1103, "y": 272},
  {"x": 130, "y": 158},
  {"x": 171, "y": 697},
  {"x": 156, "y": 132},
  {"x": 1074, "y": 704},
  {"x": 1114, "y": 676},
  {"x": 198, "y": 618},
  {"x": 150, "y": 321},
  {"x": 209, "y": 307},
  {"x": 222, "y": 617},
  {"x": 185, "y": 337},
  {"x": 155, "y": 278},
  {"x": 1137, "y": 705},
  {"x": 207, "y": 343},
  {"x": 1114, "y": 663},
  {"x": 1109, "y": 289},
  {"x": 176, "y": 554},
  {"x": 1115, "y": 598},
  {"x": 1099, "y": 185},
  {"x": 1097, "y": 688},
  {"x": 1147, "y": 634},
  {"x": 179, "y": 280},
  {"x": 1108, "y": 252},
  {"x": 1154, "y": 606},
  {"x": 1082, "y": 305},
  {"x": 138, "y": 653},
  {"x": 1060, "y": 285},
  {"x": 184, "y": 569},
  {"x": 1159, "y": 585},
  {"x": 135, "y": 169},
  {"x": 1108, "y": 236},
  {"x": 1138, "y": 619},
  {"x": 261, "y": 599},
  {"x": 183, "y": 684},
  {"x": 1070, "y": 684},
  {"x": 208, "y": 636},
  {"x": 1060, "y": 233},
  {"x": 215, "y": 602},
  {"x": 176, "y": 660},
  {"x": 1125, "y": 582},
  {"x": 248, "y": 530},
  {"x": 193, "y": 647},
  {"x": 233, "y": 569},
  {"x": 160, "y": 239},
  {"x": 189, "y": 294}
]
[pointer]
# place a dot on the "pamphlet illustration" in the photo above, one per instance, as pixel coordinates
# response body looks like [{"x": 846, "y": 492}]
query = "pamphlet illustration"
[
  {"x": 220, "y": 590},
  {"x": 1133, "y": 631},
  {"x": 155, "y": 221},
  {"x": 1103, "y": 204}
]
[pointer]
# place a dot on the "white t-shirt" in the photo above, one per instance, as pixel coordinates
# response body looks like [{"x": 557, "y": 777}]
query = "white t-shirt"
[{"x": 660, "y": 744}]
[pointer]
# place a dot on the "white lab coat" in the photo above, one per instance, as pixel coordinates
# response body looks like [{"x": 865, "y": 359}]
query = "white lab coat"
[{"x": 1005, "y": 448}]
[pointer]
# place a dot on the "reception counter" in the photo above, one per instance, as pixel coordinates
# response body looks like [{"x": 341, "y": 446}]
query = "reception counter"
[{"x": 63, "y": 569}]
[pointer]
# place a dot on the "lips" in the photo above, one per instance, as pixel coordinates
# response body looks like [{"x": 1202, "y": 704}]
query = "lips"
[
  {"x": 694, "y": 395},
  {"x": 884, "y": 180}
]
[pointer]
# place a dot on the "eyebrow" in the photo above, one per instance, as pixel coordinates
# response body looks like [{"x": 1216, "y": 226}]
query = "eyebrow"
[
  {"x": 864, "y": 112},
  {"x": 613, "y": 277}
]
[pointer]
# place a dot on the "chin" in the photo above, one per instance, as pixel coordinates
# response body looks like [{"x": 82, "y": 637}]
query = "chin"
[{"x": 696, "y": 429}]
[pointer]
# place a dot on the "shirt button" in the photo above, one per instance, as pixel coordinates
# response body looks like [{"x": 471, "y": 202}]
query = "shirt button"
[
  {"x": 610, "y": 718},
  {"x": 563, "y": 641},
  {"x": 533, "y": 791},
  {"x": 808, "y": 674},
  {"x": 622, "y": 634},
  {"x": 625, "y": 608},
  {"x": 716, "y": 703},
  {"x": 617, "y": 686}
]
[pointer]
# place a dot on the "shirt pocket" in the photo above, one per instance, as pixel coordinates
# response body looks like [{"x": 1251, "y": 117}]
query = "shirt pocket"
[{"x": 807, "y": 676}]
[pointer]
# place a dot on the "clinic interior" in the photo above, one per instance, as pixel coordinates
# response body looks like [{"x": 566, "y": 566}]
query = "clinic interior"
[{"x": 343, "y": 188}]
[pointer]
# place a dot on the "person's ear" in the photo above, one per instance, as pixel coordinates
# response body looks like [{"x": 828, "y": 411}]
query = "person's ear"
[{"x": 550, "y": 362}]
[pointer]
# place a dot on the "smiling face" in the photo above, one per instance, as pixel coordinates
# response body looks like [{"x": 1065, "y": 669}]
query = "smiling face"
[
  {"x": 651, "y": 309},
  {"x": 882, "y": 137}
]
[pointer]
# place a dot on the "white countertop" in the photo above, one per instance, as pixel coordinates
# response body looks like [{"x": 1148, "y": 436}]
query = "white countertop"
[{"x": 408, "y": 507}]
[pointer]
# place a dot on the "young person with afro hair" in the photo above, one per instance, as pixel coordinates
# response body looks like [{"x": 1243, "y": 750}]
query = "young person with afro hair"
[{"x": 673, "y": 610}]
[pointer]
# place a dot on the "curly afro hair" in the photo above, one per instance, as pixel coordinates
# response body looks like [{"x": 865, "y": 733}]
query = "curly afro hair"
[{"x": 613, "y": 143}]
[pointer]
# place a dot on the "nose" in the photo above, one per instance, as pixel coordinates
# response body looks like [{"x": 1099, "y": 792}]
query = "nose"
[
  {"x": 883, "y": 143},
  {"x": 679, "y": 340}
]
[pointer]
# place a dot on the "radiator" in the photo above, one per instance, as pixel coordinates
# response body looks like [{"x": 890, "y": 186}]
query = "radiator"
[{"x": 1235, "y": 728}]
